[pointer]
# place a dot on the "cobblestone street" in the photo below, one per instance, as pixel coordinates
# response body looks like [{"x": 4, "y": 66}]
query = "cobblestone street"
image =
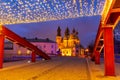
[{"x": 59, "y": 68}]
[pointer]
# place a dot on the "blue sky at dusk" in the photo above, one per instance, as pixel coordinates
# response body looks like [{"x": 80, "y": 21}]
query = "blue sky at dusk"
[{"x": 86, "y": 26}]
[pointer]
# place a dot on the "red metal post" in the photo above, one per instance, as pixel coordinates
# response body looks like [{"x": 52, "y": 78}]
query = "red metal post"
[
  {"x": 97, "y": 57},
  {"x": 33, "y": 57},
  {"x": 109, "y": 52},
  {"x": 1, "y": 50}
]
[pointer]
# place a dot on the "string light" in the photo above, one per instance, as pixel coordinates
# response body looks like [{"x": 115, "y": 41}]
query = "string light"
[{"x": 27, "y": 11}]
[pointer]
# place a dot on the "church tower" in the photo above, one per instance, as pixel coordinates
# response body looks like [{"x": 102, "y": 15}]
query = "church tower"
[
  {"x": 58, "y": 37},
  {"x": 66, "y": 37},
  {"x": 69, "y": 44},
  {"x": 72, "y": 38}
]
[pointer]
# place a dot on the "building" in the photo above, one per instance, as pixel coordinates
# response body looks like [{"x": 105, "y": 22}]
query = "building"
[
  {"x": 69, "y": 45},
  {"x": 46, "y": 45},
  {"x": 12, "y": 50}
]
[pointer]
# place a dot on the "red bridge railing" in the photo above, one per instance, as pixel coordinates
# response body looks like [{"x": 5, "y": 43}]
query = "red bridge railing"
[{"x": 6, "y": 33}]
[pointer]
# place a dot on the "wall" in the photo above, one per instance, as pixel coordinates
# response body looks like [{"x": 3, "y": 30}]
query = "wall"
[
  {"x": 49, "y": 48},
  {"x": 19, "y": 51}
]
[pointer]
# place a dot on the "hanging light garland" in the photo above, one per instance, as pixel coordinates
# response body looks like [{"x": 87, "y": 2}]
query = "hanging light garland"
[{"x": 27, "y": 11}]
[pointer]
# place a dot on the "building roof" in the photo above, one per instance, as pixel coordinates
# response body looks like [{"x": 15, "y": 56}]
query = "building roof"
[{"x": 40, "y": 40}]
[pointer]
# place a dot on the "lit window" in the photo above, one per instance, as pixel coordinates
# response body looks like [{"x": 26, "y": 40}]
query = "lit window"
[
  {"x": 19, "y": 52},
  {"x": 28, "y": 51}
]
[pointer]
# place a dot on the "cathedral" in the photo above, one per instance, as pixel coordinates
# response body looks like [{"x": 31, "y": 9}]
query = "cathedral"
[{"x": 69, "y": 45}]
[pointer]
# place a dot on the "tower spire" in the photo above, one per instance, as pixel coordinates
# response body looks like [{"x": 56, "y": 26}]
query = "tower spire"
[
  {"x": 58, "y": 31},
  {"x": 73, "y": 31},
  {"x": 67, "y": 32}
]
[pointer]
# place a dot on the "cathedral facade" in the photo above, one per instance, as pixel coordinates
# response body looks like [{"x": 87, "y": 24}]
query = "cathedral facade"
[{"x": 69, "y": 45}]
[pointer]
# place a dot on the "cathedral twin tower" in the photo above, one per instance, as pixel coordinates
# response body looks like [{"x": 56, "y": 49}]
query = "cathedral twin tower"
[{"x": 69, "y": 45}]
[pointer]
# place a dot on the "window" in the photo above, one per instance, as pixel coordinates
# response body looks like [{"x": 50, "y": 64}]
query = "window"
[
  {"x": 44, "y": 46},
  {"x": 19, "y": 52},
  {"x": 8, "y": 46},
  {"x": 28, "y": 51},
  {"x": 52, "y": 46}
]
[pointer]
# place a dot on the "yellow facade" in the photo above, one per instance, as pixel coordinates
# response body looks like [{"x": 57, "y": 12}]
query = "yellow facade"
[
  {"x": 66, "y": 52},
  {"x": 68, "y": 45}
]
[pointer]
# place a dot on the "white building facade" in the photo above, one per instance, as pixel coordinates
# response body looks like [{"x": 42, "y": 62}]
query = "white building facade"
[{"x": 12, "y": 50}]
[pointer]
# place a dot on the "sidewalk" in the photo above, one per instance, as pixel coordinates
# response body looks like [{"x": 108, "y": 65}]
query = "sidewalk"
[
  {"x": 97, "y": 71},
  {"x": 16, "y": 64},
  {"x": 21, "y": 63}
]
